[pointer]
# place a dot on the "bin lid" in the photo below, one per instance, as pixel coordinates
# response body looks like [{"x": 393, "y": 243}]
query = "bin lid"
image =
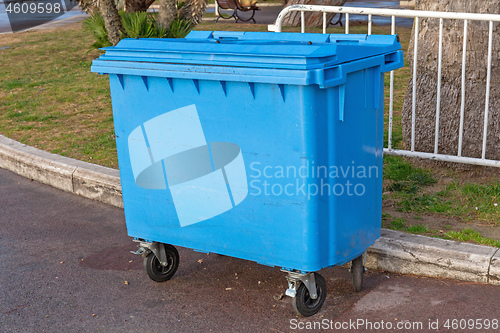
[{"x": 301, "y": 51}]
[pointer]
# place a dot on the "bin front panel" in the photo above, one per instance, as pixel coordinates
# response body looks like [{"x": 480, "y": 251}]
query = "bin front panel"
[{"x": 210, "y": 211}]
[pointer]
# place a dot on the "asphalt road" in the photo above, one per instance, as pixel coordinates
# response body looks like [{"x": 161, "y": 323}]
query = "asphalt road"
[
  {"x": 65, "y": 266},
  {"x": 27, "y": 21}
]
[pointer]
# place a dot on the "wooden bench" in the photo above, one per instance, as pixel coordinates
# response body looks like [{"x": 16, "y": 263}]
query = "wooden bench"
[{"x": 235, "y": 6}]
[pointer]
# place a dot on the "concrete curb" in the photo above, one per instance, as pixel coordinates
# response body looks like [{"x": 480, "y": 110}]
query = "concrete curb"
[
  {"x": 85, "y": 179},
  {"x": 394, "y": 251},
  {"x": 414, "y": 254}
]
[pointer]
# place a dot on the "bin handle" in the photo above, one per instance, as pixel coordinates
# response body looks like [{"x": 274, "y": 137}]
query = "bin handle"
[
  {"x": 392, "y": 61},
  {"x": 331, "y": 77}
]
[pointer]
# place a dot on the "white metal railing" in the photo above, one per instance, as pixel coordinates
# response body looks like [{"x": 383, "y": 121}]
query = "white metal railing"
[{"x": 416, "y": 15}]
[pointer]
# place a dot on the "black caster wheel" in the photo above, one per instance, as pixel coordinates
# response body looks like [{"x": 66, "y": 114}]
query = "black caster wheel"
[
  {"x": 357, "y": 270},
  {"x": 304, "y": 304},
  {"x": 160, "y": 273}
]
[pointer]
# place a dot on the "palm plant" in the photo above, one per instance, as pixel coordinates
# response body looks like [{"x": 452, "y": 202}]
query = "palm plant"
[
  {"x": 136, "y": 25},
  {"x": 141, "y": 25},
  {"x": 95, "y": 25},
  {"x": 179, "y": 28}
]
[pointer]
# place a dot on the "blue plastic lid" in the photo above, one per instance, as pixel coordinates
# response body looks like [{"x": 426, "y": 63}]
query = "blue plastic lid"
[{"x": 252, "y": 49}]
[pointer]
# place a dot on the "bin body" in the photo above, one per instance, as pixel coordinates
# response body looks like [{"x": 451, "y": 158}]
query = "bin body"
[{"x": 270, "y": 160}]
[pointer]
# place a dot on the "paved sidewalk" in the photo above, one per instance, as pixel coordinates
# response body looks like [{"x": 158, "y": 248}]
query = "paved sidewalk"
[
  {"x": 63, "y": 22},
  {"x": 394, "y": 251}
]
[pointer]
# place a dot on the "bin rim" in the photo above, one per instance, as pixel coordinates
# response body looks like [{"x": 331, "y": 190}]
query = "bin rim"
[
  {"x": 324, "y": 77},
  {"x": 253, "y": 49}
]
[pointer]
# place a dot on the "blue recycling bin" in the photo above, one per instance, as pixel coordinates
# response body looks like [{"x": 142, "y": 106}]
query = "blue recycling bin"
[{"x": 258, "y": 145}]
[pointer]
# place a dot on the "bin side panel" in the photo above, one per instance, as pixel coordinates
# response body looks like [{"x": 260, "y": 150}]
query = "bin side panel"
[{"x": 356, "y": 157}]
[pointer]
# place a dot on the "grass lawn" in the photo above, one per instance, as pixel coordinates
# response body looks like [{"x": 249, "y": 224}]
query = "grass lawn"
[{"x": 49, "y": 99}]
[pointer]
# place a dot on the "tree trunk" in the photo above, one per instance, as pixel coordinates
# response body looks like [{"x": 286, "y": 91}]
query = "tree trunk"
[
  {"x": 132, "y": 6},
  {"x": 167, "y": 12},
  {"x": 89, "y": 6},
  {"x": 476, "y": 66},
  {"x": 193, "y": 10},
  {"x": 311, "y": 19},
  {"x": 112, "y": 20}
]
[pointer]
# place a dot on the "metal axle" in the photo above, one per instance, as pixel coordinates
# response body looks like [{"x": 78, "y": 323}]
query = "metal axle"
[
  {"x": 295, "y": 278},
  {"x": 157, "y": 248}
]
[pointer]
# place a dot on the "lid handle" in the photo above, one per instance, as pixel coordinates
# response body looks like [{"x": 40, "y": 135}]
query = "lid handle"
[{"x": 228, "y": 35}]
